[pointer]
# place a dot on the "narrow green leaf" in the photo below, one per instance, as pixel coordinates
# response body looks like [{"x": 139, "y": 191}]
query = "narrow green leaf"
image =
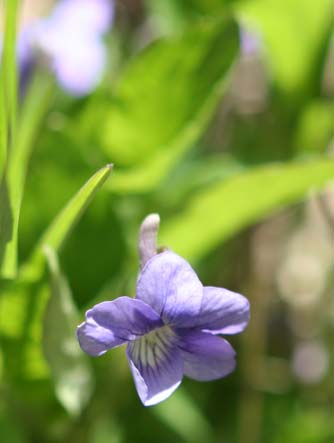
[
  {"x": 60, "y": 228},
  {"x": 196, "y": 174},
  {"x": 21, "y": 311},
  {"x": 8, "y": 105},
  {"x": 8, "y": 80},
  {"x": 10, "y": 65},
  {"x": 3, "y": 129},
  {"x": 238, "y": 202},
  {"x": 13, "y": 180},
  {"x": 56, "y": 234},
  {"x": 22, "y": 304},
  {"x": 69, "y": 366},
  {"x": 166, "y": 98}
]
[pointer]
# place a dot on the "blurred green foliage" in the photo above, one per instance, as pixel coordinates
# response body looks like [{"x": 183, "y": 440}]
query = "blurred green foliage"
[
  {"x": 142, "y": 121},
  {"x": 216, "y": 114}
]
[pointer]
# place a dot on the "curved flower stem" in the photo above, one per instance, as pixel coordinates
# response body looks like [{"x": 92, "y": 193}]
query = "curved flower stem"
[{"x": 147, "y": 242}]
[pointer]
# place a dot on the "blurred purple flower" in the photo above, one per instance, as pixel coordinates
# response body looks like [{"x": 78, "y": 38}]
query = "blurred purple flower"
[
  {"x": 94, "y": 15},
  {"x": 71, "y": 42},
  {"x": 171, "y": 327},
  {"x": 250, "y": 42}
]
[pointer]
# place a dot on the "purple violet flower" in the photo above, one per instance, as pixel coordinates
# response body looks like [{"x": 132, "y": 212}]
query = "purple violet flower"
[
  {"x": 70, "y": 40},
  {"x": 171, "y": 327},
  {"x": 250, "y": 42}
]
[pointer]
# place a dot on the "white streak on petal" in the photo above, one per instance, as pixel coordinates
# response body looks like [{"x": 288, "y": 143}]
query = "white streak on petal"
[{"x": 156, "y": 365}]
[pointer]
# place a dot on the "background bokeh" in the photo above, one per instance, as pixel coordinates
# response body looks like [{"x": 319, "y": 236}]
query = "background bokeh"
[{"x": 218, "y": 115}]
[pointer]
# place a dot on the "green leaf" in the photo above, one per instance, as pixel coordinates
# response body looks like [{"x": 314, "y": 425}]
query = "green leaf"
[
  {"x": 166, "y": 98},
  {"x": 315, "y": 128},
  {"x": 22, "y": 303},
  {"x": 56, "y": 234},
  {"x": 295, "y": 34},
  {"x": 13, "y": 180},
  {"x": 60, "y": 228},
  {"x": 193, "y": 175},
  {"x": 10, "y": 65},
  {"x": 167, "y": 16},
  {"x": 238, "y": 202},
  {"x": 69, "y": 366},
  {"x": 8, "y": 105},
  {"x": 3, "y": 128},
  {"x": 22, "y": 307},
  {"x": 8, "y": 80}
]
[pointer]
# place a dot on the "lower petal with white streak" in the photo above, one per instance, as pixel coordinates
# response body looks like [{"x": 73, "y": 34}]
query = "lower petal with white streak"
[{"x": 156, "y": 365}]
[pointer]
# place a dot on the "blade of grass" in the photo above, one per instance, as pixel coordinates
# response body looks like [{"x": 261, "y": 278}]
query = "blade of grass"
[
  {"x": 10, "y": 65},
  {"x": 8, "y": 73},
  {"x": 12, "y": 187},
  {"x": 56, "y": 234},
  {"x": 23, "y": 303},
  {"x": 3, "y": 129},
  {"x": 8, "y": 80},
  {"x": 60, "y": 228},
  {"x": 226, "y": 208}
]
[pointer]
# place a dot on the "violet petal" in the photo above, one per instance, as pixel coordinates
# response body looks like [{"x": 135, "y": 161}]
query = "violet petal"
[
  {"x": 127, "y": 317},
  {"x": 156, "y": 365},
  {"x": 206, "y": 357},
  {"x": 222, "y": 311},
  {"x": 170, "y": 285},
  {"x": 111, "y": 323},
  {"x": 96, "y": 340}
]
